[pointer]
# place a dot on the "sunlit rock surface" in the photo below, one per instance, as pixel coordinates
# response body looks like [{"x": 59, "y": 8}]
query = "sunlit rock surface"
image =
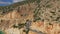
[{"x": 39, "y": 17}]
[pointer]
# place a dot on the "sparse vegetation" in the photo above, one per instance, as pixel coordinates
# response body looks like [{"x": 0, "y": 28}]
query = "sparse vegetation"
[
  {"x": 39, "y": 13},
  {"x": 48, "y": 6},
  {"x": 36, "y": 11},
  {"x": 1, "y": 32},
  {"x": 19, "y": 26},
  {"x": 9, "y": 8}
]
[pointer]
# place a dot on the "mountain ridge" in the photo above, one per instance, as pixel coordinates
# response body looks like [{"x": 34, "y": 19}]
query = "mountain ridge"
[{"x": 14, "y": 5}]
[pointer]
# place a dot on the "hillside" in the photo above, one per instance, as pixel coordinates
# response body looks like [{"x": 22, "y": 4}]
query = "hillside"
[{"x": 31, "y": 17}]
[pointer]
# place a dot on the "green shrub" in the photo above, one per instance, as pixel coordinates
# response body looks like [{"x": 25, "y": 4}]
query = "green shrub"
[{"x": 1, "y": 32}]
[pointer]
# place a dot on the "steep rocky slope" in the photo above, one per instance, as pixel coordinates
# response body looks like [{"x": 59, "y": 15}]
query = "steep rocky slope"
[{"x": 34, "y": 17}]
